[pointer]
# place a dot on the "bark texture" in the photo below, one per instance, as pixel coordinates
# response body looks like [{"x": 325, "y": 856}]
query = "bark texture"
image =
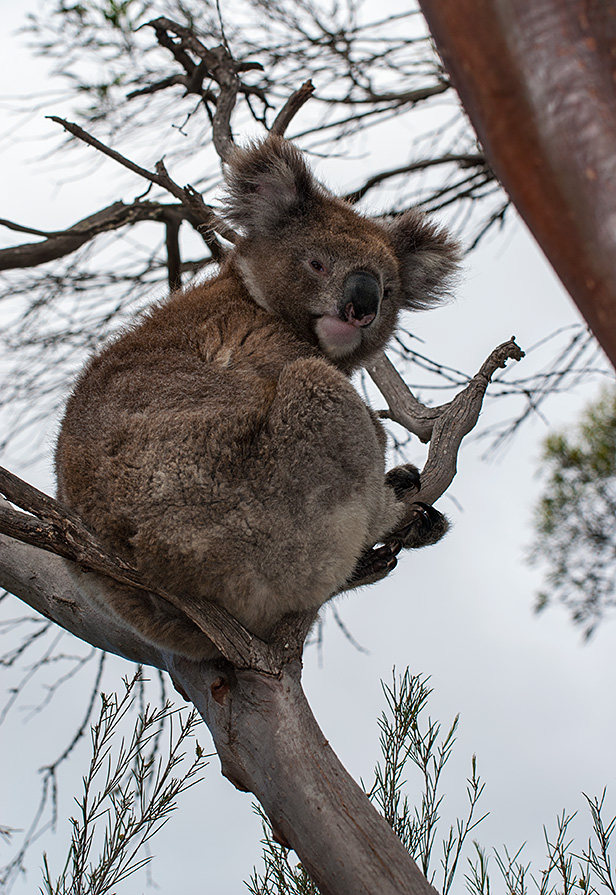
[{"x": 538, "y": 83}]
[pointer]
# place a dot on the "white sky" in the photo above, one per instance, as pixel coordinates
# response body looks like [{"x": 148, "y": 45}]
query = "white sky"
[{"x": 535, "y": 702}]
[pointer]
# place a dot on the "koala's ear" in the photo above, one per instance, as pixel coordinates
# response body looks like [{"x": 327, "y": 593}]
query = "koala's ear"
[
  {"x": 428, "y": 258},
  {"x": 267, "y": 183}
]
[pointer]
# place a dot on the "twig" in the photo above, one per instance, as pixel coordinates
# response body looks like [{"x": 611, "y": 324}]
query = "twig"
[
  {"x": 291, "y": 108},
  {"x": 463, "y": 160}
]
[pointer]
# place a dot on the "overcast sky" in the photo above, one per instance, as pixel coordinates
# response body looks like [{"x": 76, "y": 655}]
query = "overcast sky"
[{"x": 535, "y": 702}]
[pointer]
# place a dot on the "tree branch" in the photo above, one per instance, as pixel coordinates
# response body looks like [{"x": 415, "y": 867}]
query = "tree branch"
[
  {"x": 174, "y": 258},
  {"x": 59, "y": 243},
  {"x": 270, "y": 744},
  {"x": 208, "y": 220},
  {"x": 218, "y": 63}
]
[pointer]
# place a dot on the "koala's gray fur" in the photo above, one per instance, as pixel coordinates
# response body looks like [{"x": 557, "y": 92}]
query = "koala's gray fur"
[{"x": 218, "y": 445}]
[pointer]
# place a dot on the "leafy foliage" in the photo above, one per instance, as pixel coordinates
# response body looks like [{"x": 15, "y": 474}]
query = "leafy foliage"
[
  {"x": 409, "y": 738},
  {"x": 129, "y": 792},
  {"x": 574, "y": 519}
]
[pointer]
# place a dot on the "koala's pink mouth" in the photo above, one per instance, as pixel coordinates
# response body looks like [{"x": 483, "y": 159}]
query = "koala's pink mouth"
[{"x": 337, "y": 336}]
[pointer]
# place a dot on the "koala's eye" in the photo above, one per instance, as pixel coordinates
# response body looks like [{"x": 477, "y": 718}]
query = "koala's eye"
[
  {"x": 387, "y": 292},
  {"x": 317, "y": 265}
]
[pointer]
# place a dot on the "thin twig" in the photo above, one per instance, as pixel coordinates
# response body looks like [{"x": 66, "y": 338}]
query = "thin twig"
[{"x": 291, "y": 108}]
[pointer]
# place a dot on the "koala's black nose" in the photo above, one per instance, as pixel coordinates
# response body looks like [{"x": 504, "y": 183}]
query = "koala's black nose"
[{"x": 362, "y": 294}]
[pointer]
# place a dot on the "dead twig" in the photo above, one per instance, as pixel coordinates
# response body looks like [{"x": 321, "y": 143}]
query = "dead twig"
[{"x": 291, "y": 108}]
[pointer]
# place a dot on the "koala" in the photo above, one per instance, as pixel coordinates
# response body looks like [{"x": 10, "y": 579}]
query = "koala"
[{"x": 218, "y": 446}]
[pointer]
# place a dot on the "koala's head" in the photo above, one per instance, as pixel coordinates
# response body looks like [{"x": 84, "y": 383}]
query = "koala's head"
[{"x": 338, "y": 278}]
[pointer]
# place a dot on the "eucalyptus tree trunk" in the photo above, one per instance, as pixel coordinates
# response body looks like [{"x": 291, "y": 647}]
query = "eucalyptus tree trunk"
[{"x": 537, "y": 81}]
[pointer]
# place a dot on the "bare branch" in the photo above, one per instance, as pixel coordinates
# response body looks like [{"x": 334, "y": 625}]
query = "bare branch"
[
  {"x": 291, "y": 108},
  {"x": 63, "y": 242},
  {"x": 464, "y": 160},
  {"x": 189, "y": 197},
  {"x": 218, "y": 63},
  {"x": 398, "y": 99}
]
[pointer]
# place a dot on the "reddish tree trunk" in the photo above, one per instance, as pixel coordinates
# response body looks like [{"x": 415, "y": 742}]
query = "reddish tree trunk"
[{"x": 538, "y": 81}]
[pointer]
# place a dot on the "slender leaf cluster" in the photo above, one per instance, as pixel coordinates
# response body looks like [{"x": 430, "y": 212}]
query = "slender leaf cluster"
[
  {"x": 408, "y": 739},
  {"x": 129, "y": 791},
  {"x": 411, "y": 740}
]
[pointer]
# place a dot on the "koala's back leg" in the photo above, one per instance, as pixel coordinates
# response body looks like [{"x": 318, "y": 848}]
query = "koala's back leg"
[{"x": 326, "y": 447}]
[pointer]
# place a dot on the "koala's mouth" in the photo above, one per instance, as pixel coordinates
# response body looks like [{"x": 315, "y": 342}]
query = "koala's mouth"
[{"x": 339, "y": 337}]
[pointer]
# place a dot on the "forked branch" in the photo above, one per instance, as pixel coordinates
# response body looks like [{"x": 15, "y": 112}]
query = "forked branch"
[
  {"x": 266, "y": 736},
  {"x": 444, "y": 426}
]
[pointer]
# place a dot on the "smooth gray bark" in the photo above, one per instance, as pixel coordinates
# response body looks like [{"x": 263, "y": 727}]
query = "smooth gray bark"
[{"x": 267, "y": 738}]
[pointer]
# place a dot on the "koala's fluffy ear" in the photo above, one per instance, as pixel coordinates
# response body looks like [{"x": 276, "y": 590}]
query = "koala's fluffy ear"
[
  {"x": 267, "y": 183},
  {"x": 428, "y": 258}
]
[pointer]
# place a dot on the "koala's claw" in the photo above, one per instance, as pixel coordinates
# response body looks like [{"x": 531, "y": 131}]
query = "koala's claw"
[
  {"x": 427, "y": 527},
  {"x": 375, "y": 564},
  {"x": 403, "y": 479}
]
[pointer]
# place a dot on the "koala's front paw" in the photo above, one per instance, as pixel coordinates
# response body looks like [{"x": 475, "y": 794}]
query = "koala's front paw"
[
  {"x": 374, "y": 564},
  {"x": 426, "y": 527},
  {"x": 403, "y": 479}
]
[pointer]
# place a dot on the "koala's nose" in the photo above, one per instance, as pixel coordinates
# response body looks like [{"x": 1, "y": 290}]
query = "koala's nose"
[{"x": 362, "y": 294}]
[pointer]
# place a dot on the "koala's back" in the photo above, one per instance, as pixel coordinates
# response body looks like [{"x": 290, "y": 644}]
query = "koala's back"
[{"x": 224, "y": 458}]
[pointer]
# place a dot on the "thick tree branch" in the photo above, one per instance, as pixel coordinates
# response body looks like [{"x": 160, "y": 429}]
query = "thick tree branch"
[
  {"x": 537, "y": 82},
  {"x": 270, "y": 744},
  {"x": 174, "y": 258},
  {"x": 265, "y": 733}
]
